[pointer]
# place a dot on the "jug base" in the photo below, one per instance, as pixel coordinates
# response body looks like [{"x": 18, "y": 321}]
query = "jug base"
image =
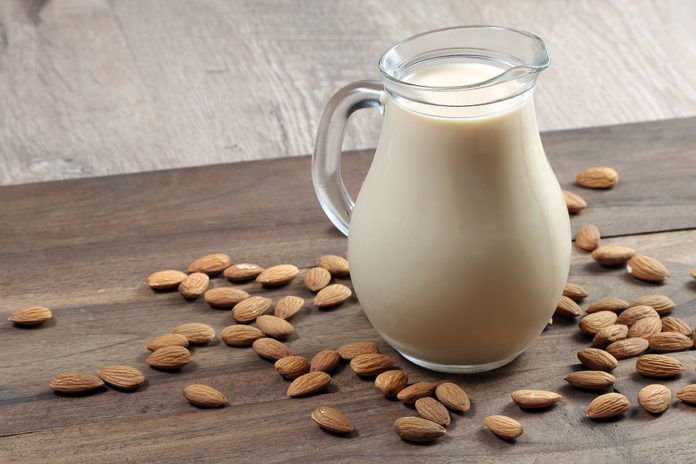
[{"x": 460, "y": 368}]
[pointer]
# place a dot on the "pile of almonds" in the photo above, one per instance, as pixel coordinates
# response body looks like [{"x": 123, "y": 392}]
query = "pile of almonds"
[{"x": 617, "y": 329}]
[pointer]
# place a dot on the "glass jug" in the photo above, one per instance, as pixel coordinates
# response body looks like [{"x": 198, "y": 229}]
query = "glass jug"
[{"x": 459, "y": 241}]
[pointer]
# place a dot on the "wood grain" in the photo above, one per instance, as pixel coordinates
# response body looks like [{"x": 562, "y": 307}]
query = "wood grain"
[
  {"x": 96, "y": 87},
  {"x": 84, "y": 248}
]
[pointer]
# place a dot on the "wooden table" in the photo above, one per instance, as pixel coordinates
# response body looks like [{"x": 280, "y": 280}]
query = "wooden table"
[{"x": 84, "y": 248}]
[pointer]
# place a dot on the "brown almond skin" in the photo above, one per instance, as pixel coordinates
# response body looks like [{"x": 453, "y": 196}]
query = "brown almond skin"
[
  {"x": 33, "y": 315},
  {"x": 224, "y": 297},
  {"x": 332, "y": 295},
  {"x": 123, "y": 377},
  {"x": 535, "y": 399},
  {"x": 567, "y": 308},
  {"x": 274, "y": 326},
  {"x": 655, "y": 398},
  {"x": 658, "y": 366},
  {"x": 588, "y": 237},
  {"x": 390, "y": 383},
  {"x": 598, "y": 178},
  {"x": 317, "y": 278},
  {"x": 417, "y": 429},
  {"x": 240, "y": 335},
  {"x": 674, "y": 324},
  {"x": 165, "y": 280},
  {"x": 574, "y": 202},
  {"x": 270, "y": 348},
  {"x": 635, "y": 313},
  {"x": 628, "y": 348},
  {"x": 503, "y": 426},
  {"x": 647, "y": 269},
  {"x": 453, "y": 397},
  {"x": 646, "y": 327},
  {"x": 668, "y": 342},
  {"x": 660, "y": 303},
  {"x": 574, "y": 291},
  {"x": 336, "y": 265},
  {"x": 167, "y": 340},
  {"x": 325, "y": 361},
  {"x": 204, "y": 396},
  {"x": 332, "y": 420},
  {"x": 169, "y": 358},
  {"x": 431, "y": 409},
  {"x": 291, "y": 367},
  {"x": 210, "y": 264},
  {"x": 281, "y": 274},
  {"x": 242, "y": 272},
  {"x": 591, "y": 380},
  {"x": 250, "y": 309},
  {"x": 371, "y": 364},
  {"x": 412, "y": 393},
  {"x": 610, "y": 334},
  {"x": 194, "y": 285},
  {"x": 308, "y": 384},
  {"x": 612, "y": 255},
  {"x": 608, "y": 304},
  {"x": 350, "y": 350},
  {"x": 593, "y": 323},
  {"x": 75, "y": 382},
  {"x": 607, "y": 406},
  {"x": 596, "y": 359},
  {"x": 288, "y": 306},
  {"x": 687, "y": 394},
  {"x": 196, "y": 332}
]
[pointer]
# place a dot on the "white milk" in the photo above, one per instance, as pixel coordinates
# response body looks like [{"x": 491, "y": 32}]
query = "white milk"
[{"x": 459, "y": 242}]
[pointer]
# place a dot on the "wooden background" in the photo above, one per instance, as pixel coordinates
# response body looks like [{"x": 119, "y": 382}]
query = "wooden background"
[
  {"x": 84, "y": 248},
  {"x": 95, "y": 87}
]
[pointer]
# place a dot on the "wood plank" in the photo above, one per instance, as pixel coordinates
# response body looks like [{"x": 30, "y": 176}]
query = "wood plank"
[{"x": 114, "y": 86}]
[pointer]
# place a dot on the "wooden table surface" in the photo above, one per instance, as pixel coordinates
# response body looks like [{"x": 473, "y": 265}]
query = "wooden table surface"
[
  {"x": 96, "y": 87},
  {"x": 84, "y": 248}
]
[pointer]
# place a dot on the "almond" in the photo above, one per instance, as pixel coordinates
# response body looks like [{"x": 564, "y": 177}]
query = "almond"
[
  {"x": 659, "y": 303},
  {"x": 659, "y": 366},
  {"x": 610, "y": 334},
  {"x": 588, "y": 237},
  {"x": 607, "y": 405},
  {"x": 417, "y": 429},
  {"x": 667, "y": 342},
  {"x": 646, "y": 327},
  {"x": 325, "y": 361},
  {"x": 655, "y": 398},
  {"x": 75, "y": 382},
  {"x": 336, "y": 265},
  {"x": 210, "y": 264},
  {"x": 687, "y": 394},
  {"x": 453, "y": 397},
  {"x": 390, "y": 383},
  {"x": 412, "y": 393},
  {"x": 636, "y": 313},
  {"x": 598, "y": 178},
  {"x": 291, "y": 367},
  {"x": 316, "y": 279},
  {"x": 574, "y": 202},
  {"x": 350, "y": 350},
  {"x": 204, "y": 396},
  {"x": 591, "y": 380},
  {"x": 288, "y": 306},
  {"x": 123, "y": 377},
  {"x": 567, "y": 308},
  {"x": 503, "y": 426},
  {"x": 225, "y": 297},
  {"x": 574, "y": 291},
  {"x": 194, "y": 285},
  {"x": 612, "y": 255},
  {"x": 308, "y": 384},
  {"x": 332, "y": 295},
  {"x": 628, "y": 348},
  {"x": 242, "y": 272},
  {"x": 535, "y": 399},
  {"x": 270, "y": 348},
  {"x": 646, "y": 268},
  {"x": 240, "y": 335},
  {"x": 167, "y": 340},
  {"x": 196, "y": 332},
  {"x": 33, "y": 315},
  {"x": 674, "y": 324},
  {"x": 250, "y": 309},
  {"x": 593, "y": 323},
  {"x": 608, "y": 304},
  {"x": 371, "y": 364},
  {"x": 274, "y": 326},
  {"x": 169, "y": 357},
  {"x": 332, "y": 420},
  {"x": 164, "y": 280},
  {"x": 277, "y": 275},
  {"x": 431, "y": 409},
  {"x": 598, "y": 360}
]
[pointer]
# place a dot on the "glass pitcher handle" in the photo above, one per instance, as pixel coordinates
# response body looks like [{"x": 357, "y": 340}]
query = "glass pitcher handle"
[{"x": 326, "y": 161}]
